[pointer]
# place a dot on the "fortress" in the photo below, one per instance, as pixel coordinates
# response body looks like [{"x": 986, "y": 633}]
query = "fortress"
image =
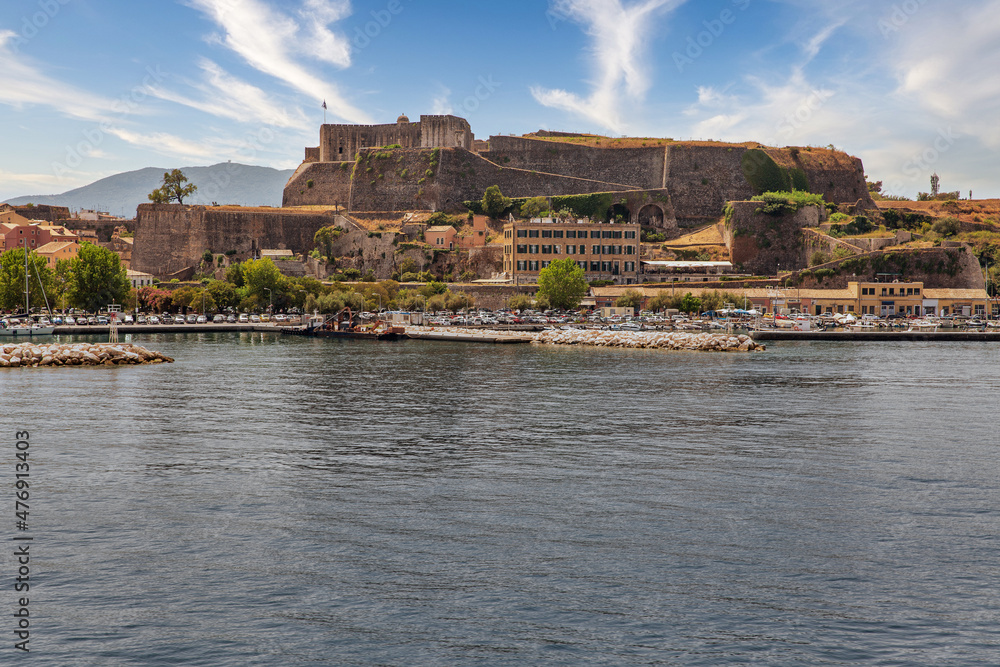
[{"x": 437, "y": 164}]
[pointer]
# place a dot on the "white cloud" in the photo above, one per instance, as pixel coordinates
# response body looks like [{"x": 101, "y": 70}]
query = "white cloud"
[
  {"x": 271, "y": 42},
  {"x": 618, "y": 33},
  {"x": 226, "y": 96},
  {"x": 22, "y": 84},
  {"x": 168, "y": 144},
  {"x": 440, "y": 106}
]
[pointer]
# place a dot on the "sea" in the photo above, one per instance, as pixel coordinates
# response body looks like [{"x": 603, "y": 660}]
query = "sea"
[{"x": 270, "y": 500}]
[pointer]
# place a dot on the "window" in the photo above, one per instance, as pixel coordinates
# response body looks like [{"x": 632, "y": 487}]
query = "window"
[
  {"x": 606, "y": 234},
  {"x": 616, "y": 235},
  {"x": 532, "y": 250},
  {"x": 522, "y": 233},
  {"x": 546, "y": 250},
  {"x": 916, "y": 291},
  {"x": 533, "y": 265},
  {"x": 605, "y": 267},
  {"x": 571, "y": 250},
  {"x": 555, "y": 249},
  {"x": 557, "y": 233},
  {"x": 583, "y": 265},
  {"x": 546, "y": 233},
  {"x": 607, "y": 249},
  {"x": 630, "y": 250},
  {"x": 630, "y": 235},
  {"x": 533, "y": 233},
  {"x": 571, "y": 233},
  {"x": 595, "y": 250},
  {"x": 595, "y": 266},
  {"x": 521, "y": 249},
  {"x": 545, "y": 264},
  {"x": 594, "y": 234},
  {"x": 884, "y": 291},
  {"x": 522, "y": 265}
]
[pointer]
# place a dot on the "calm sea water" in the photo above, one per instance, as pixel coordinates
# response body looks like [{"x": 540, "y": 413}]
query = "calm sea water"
[{"x": 289, "y": 501}]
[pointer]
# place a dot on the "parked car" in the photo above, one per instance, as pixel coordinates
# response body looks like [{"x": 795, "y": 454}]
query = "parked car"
[
  {"x": 192, "y": 318},
  {"x": 201, "y": 319},
  {"x": 280, "y": 318},
  {"x": 219, "y": 318},
  {"x": 231, "y": 319},
  {"x": 102, "y": 319},
  {"x": 69, "y": 319},
  {"x": 92, "y": 319},
  {"x": 255, "y": 319},
  {"x": 179, "y": 319},
  {"x": 153, "y": 319},
  {"x": 265, "y": 318},
  {"x": 141, "y": 319},
  {"x": 244, "y": 318}
]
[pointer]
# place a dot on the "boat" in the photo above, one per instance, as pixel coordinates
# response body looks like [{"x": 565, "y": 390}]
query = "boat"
[
  {"x": 27, "y": 328},
  {"x": 335, "y": 326}
]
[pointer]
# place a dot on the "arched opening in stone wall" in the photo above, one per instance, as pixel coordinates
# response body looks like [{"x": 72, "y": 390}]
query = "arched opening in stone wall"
[
  {"x": 651, "y": 215},
  {"x": 617, "y": 211}
]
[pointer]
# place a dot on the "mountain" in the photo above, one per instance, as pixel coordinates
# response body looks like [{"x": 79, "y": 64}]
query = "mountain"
[{"x": 223, "y": 183}]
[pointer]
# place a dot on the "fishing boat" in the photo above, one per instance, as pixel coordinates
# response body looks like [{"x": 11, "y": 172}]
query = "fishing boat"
[
  {"x": 337, "y": 326},
  {"x": 28, "y": 328}
]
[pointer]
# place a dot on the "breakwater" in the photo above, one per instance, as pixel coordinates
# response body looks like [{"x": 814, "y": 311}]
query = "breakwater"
[
  {"x": 658, "y": 340},
  {"x": 77, "y": 354},
  {"x": 880, "y": 336}
]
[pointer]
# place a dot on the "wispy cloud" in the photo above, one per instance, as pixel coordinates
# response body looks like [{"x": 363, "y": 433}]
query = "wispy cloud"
[
  {"x": 23, "y": 84},
  {"x": 226, "y": 96},
  {"x": 273, "y": 42},
  {"x": 440, "y": 105},
  {"x": 618, "y": 32},
  {"x": 168, "y": 144}
]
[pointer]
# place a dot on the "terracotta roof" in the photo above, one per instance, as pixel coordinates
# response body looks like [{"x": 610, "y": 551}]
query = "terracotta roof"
[
  {"x": 441, "y": 228},
  {"x": 54, "y": 247}
]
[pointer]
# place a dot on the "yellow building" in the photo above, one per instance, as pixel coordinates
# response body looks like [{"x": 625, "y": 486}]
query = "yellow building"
[
  {"x": 605, "y": 251},
  {"x": 57, "y": 250}
]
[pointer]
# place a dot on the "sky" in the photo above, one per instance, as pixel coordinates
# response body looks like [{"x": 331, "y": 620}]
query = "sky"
[{"x": 91, "y": 88}]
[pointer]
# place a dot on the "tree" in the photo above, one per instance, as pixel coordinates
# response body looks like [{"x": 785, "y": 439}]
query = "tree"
[
  {"x": 562, "y": 283},
  {"x": 520, "y": 302},
  {"x": 664, "y": 301},
  {"x": 223, "y": 293},
  {"x": 818, "y": 257},
  {"x": 234, "y": 274},
  {"x": 690, "y": 304},
  {"x": 173, "y": 188},
  {"x": 155, "y": 299},
  {"x": 630, "y": 298},
  {"x": 324, "y": 238},
  {"x": 494, "y": 203},
  {"x": 12, "y": 279},
  {"x": 459, "y": 301},
  {"x": 946, "y": 227},
  {"x": 98, "y": 278},
  {"x": 260, "y": 275},
  {"x": 534, "y": 207}
]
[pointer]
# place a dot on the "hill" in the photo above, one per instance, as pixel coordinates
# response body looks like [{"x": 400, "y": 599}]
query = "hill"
[{"x": 225, "y": 183}]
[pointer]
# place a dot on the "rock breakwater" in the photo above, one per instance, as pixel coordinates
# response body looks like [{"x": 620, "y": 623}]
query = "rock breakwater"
[
  {"x": 659, "y": 340},
  {"x": 77, "y": 354}
]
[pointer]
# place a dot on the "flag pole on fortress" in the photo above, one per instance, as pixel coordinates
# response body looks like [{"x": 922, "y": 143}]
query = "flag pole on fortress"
[{"x": 324, "y": 112}]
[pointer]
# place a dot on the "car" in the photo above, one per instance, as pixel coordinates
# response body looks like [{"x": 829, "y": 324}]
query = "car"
[
  {"x": 141, "y": 319},
  {"x": 244, "y": 318},
  {"x": 128, "y": 319},
  {"x": 192, "y": 318},
  {"x": 230, "y": 318},
  {"x": 92, "y": 319},
  {"x": 255, "y": 319},
  {"x": 201, "y": 319},
  {"x": 57, "y": 320},
  {"x": 102, "y": 319},
  {"x": 153, "y": 319},
  {"x": 179, "y": 319},
  {"x": 219, "y": 318},
  {"x": 280, "y": 318},
  {"x": 265, "y": 318}
]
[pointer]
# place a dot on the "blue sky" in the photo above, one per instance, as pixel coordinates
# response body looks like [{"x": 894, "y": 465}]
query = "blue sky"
[{"x": 90, "y": 88}]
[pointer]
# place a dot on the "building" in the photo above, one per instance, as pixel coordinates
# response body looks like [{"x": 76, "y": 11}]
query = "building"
[
  {"x": 17, "y": 231},
  {"x": 474, "y": 235},
  {"x": 910, "y": 299},
  {"x": 340, "y": 143},
  {"x": 57, "y": 250},
  {"x": 443, "y": 236},
  {"x": 138, "y": 278},
  {"x": 605, "y": 251}
]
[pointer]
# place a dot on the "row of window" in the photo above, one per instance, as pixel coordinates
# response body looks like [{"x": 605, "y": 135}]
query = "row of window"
[
  {"x": 891, "y": 291},
  {"x": 602, "y": 267},
  {"x": 573, "y": 234},
  {"x": 576, "y": 250}
]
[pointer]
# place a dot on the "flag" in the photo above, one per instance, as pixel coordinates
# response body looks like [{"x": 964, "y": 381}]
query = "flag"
[{"x": 324, "y": 105}]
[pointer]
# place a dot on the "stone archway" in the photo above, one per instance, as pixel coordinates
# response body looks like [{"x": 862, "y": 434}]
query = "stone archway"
[
  {"x": 651, "y": 215},
  {"x": 617, "y": 210}
]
